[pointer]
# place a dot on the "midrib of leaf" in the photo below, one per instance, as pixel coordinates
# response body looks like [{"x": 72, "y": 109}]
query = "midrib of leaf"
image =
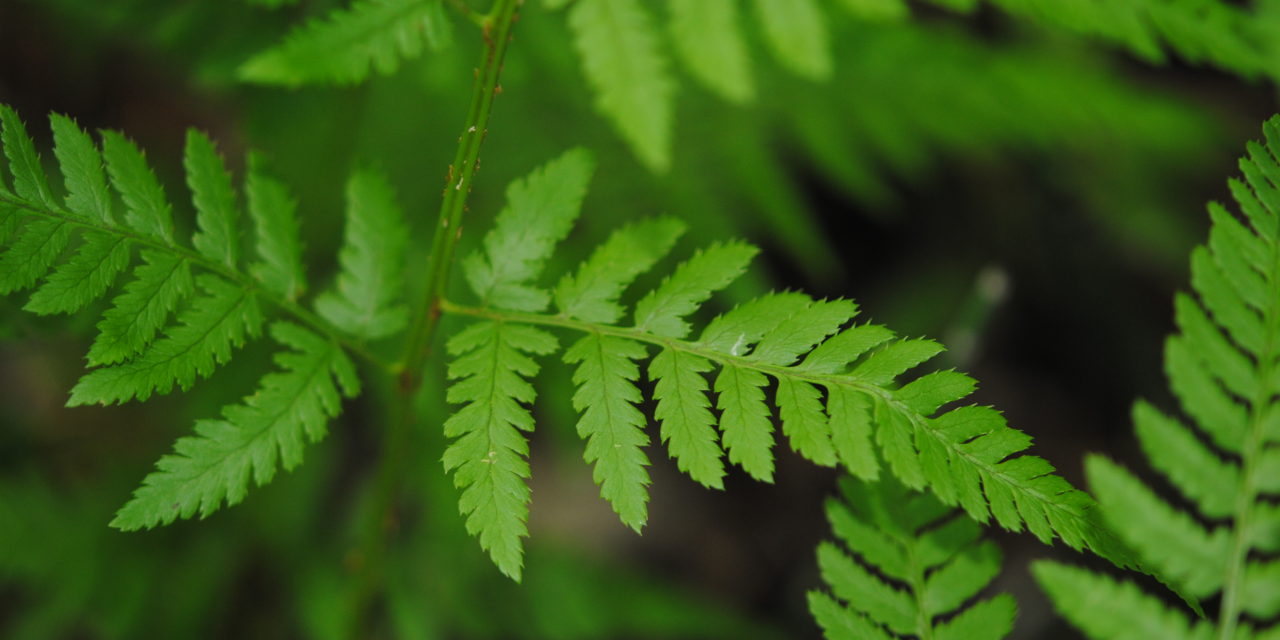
[
  {"x": 924, "y": 626},
  {"x": 883, "y": 394},
  {"x": 242, "y": 280},
  {"x": 1233, "y": 582}
]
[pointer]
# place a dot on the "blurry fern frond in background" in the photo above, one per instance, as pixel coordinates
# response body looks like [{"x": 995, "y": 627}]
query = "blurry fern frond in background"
[
  {"x": 932, "y": 559},
  {"x": 347, "y": 44},
  {"x": 1224, "y": 367},
  {"x": 184, "y": 310},
  {"x": 838, "y": 388}
]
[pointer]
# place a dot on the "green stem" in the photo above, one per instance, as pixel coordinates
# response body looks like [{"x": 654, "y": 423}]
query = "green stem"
[
  {"x": 496, "y": 27},
  {"x": 496, "y": 30},
  {"x": 243, "y": 280}
]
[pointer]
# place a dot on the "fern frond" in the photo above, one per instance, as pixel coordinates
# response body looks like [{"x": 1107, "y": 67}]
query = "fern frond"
[
  {"x": 372, "y": 259},
  {"x": 344, "y": 46},
  {"x": 621, "y": 58},
  {"x": 837, "y": 389},
  {"x": 138, "y": 351},
  {"x": 1222, "y": 366},
  {"x": 932, "y": 562},
  {"x": 1229, "y": 36},
  {"x": 252, "y": 438}
]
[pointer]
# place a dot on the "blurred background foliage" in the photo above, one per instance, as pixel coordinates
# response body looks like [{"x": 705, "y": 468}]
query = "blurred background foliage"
[{"x": 1019, "y": 182}]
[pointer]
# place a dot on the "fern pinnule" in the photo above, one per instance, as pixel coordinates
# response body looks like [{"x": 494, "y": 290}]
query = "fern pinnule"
[
  {"x": 1222, "y": 366},
  {"x": 219, "y": 305},
  {"x": 838, "y": 388}
]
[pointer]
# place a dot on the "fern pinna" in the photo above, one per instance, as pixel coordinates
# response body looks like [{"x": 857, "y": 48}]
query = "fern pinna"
[
  {"x": 915, "y": 541},
  {"x": 837, "y": 388},
  {"x": 1223, "y": 366},
  {"x": 215, "y": 302}
]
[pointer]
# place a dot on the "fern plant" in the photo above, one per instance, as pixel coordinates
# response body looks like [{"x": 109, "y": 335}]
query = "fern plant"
[
  {"x": 1221, "y": 366},
  {"x": 916, "y": 541}
]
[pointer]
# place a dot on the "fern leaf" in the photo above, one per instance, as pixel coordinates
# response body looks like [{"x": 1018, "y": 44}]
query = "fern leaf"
[
  {"x": 661, "y": 312},
  {"x": 1221, "y": 366},
  {"x": 274, "y": 216},
  {"x": 217, "y": 235},
  {"x": 30, "y": 256},
  {"x": 1106, "y": 609},
  {"x": 688, "y": 427},
  {"x": 708, "y": 36},
  {"x": 84, "y": 278},
  {"x": 611, "y": 423},
  {"x": 840, "y": 394},
  {"x": 87, "y": 193},
  {"x": 266, "y": 430},
  {"x": 540, "y": 211},
  {"x": 878, "y": 10},
  {"x": 796, "y": 31},
  {"x": 930, "y": 569},
  {"x": 372, "y": 258},
  {"x": 592, "y": 293},
  {"x": 621, "y": 58},
  {"x": 29, "y": 180},
  {"x": 488, "y": 456},
  {"x": 206, "y": 333},
  {"x": 147, "y": 209},
  {"x": 745, "y": 421},
  {"x": 344, "y": 46},
  {"x": 137, "y": 315}
]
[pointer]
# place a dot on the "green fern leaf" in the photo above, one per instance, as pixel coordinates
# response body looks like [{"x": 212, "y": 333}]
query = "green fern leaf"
[
  {"x": 218, "y": 236},
  {"x": 274, "y": 216},
  {"x": 797, "y": 32},
  {"x": 540, "y": 211},
  {"x": 147, "y": 209},
  {"x": 29, "y": 181},
  {"x": 932, "y": 560},
  {"x": 215, "y": 323},
  {"x": 488, "y": 457},
  {"x": 611, "y": 423},
  {"x": 1222, "y": 367},
  {"x": 661, "y": 312},
  {"x": 343, "y": 47},
  {"x": 688, "y": 427},
  {"x": 1106, "y": 609},
  {"x": 621, "y": 57},
  {"x": 839, "y": 390},
  {"x": 267, "y": 430},
  {"x": 29, "y": 258},
  {"x": 84, "y": 278},
  {"x": 592, "y": 293},
  {"x": 81, "y": 164},
  {"x": 708, "y": 36},
  {"x": 137, "y": 351},
  {"x": 137, "y": 315},
  {"x": 372, "y": 258}
]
